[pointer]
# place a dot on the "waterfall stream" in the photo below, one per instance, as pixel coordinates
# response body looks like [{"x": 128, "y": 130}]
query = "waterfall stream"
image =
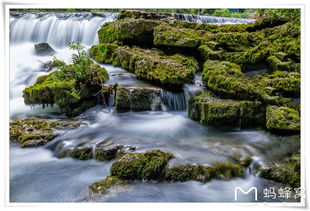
[{"x": 36, "y": 175}]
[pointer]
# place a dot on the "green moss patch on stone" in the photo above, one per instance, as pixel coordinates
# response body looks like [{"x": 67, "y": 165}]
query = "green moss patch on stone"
[
  {"x": 37, "y": 132},
  {"x": 103, "y": 186},
  {"x": 106, "y": 151},
  {"x": 140, "y": 166},
  {"x": 282, "y": 119},
  {"x": 152, "y": 65},
  {"x": 211, "y": 110},
  {"x": 287, "y": 172},
  {"x": 128, "y": 31},
  {"x": 137, "y": 99}
]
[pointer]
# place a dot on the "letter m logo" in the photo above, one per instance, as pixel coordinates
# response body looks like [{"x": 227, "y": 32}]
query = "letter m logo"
[{"x": 245, "y": 192}]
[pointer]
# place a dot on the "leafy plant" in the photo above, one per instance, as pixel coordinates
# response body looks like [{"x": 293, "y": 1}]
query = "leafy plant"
[{"x": 80, "y": 60}]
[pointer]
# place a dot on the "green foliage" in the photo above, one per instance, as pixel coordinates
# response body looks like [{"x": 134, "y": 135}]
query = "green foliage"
[{"x": 80, "y": 60}]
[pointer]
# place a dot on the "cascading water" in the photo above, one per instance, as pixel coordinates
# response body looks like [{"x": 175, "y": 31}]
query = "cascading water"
[
  {"x": 58, "y": 29},
  {"x": 212, "y": 19},
  {"x": 171, "y": 131}
]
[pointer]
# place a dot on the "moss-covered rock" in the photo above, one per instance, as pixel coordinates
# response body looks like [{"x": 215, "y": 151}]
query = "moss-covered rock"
[
  {"x": 106, "y": 150},
  {"x": 37, "y": 132},
  {"x": 287, "y": 172},
  {"x": 128, "y": 31},
  {"x": 286, "y": 84},
  {"x": 211, "y": 110},
  {"x": 186, "y": 172},
  {"x": 137, "y": 99},
  {"x": 166, "y": 35},
  {"x": 140, "y": 166},
  {"x": 103, "y": 186},
  {"x": 227, "y": 80},
  {"x": 282, "y": 120},
  {"x": 152, "y": 65},
  {"x": 67, "y": 88},
  {"x": 82, "y": 153},
  {"x": 183, "y": 173}
]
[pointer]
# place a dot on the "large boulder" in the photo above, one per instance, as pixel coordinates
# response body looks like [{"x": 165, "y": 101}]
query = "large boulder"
[
  {"x": 211, "y": 110},
  {"x": 128, "y": 31},
  {"x": 107, "y": 150},
  {"x": 152, "y": 65},
  {"x": 283, "y": 120},
  {"x": 65, "y": 87}
]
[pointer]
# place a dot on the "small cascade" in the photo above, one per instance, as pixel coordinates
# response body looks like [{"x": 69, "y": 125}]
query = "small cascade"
[
  {"x": 212, "y": 19},
  {"x": 174, "y": 101},
  {"x": 58, "y": 29}
]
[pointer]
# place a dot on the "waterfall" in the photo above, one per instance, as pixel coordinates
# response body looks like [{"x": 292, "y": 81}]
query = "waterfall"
[
  {"x": 58, "y": 29},
  {"x": 174, "y": 101},
  {"x": 212, "y": 19}
]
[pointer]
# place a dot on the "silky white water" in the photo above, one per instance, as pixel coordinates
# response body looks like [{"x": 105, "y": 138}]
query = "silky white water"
[{"x": 36, "y": 175}]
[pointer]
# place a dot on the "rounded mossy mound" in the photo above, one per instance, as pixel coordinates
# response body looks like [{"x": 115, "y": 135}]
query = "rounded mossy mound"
[
  {"x": 72, "y": 89},
  {"x": 283, "y": 120}
]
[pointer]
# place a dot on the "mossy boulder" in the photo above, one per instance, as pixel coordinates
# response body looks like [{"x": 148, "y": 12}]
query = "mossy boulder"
[
  {"x": 106, "y": 150},
  {"x": 72, "y": 92},
  {"x": 286, "y": 172},
  {"x": 211, "y": 110},
  {"x": 140, "y": 166},
  {"x": 137, "y": 99},
  {"x": 227, "y": 80},
  {"x": 128, "y": 31},
  {"x": 286, "y": 84},
  {"x": 165, "y": 35},
  {"x": 43, "y": 49},
  {"x": 280, "y": 119},
  {"x": 186, "y": 172},
  {"x": 37, "y": 132},
  {"x": 103, "y": 186},
  {"x": 152, "y": 65}
]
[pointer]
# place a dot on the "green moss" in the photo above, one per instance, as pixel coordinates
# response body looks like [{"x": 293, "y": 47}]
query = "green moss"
[
  {"x": 227, "y": 80},
  {"x": 211, "y": 110},
  {"x": 36, "y": 132},
  {"x": 152, "y": 65},
  {"x": 140, "y": 166},
  {"x": 286, "y": 84},
  {"x": 184, "y": 172},
  {"x": 207, "y": 53},
  {"x": 127, "y": 31},
  {"x": 287, "y": 172},
  {"x": 104, "y": 185},
  {"x": 282, "y": 119},
  {"x": 63, "y": 87},
  {"x": 123, "y": 103},
  {"x": 177, "y": 37},
  {"x": 82, "y": 153},
  {"x": 106, "y": 151},
  {"x": 224, "y": 171}
]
